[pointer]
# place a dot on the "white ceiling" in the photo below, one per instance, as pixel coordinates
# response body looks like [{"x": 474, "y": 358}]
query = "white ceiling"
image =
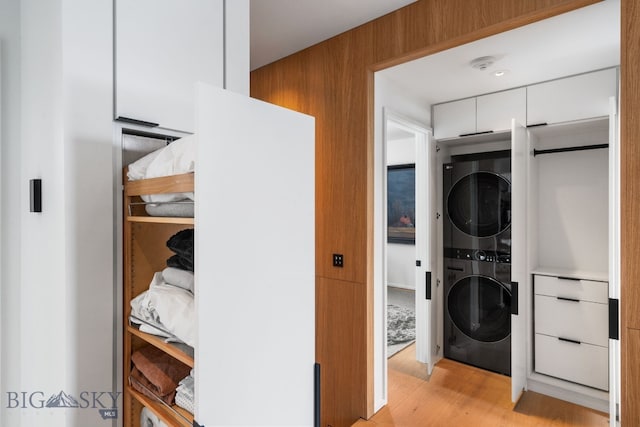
[
  {"x": 582, "y": 40},
  {"x": 282, "y": 27}
]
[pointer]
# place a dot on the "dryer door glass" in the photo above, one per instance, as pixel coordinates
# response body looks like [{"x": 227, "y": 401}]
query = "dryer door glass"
[
  {"x": 480, "y": 204},
  {"x": 481, "y": 308}
]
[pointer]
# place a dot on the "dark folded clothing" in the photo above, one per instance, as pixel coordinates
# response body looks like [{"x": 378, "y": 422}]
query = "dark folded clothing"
[
  {"x": 181, "y": 244},
  {"x": 177, "y": 261},
  {"x": 157, "y": 372}
]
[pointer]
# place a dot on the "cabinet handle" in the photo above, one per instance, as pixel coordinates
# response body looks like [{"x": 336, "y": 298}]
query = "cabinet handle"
[
  {"x": 136, "y": 122},
  {"x": 569, "y": 340},
  {"x": 536, "y": 125},
  {"x": 475, "y": 133},
  {"x": 568, "y": 299},
  {"x": 574, "y": 279}
]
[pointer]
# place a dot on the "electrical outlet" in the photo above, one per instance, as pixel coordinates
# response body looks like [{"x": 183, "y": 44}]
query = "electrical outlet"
[{"x": 338, "y": 260}]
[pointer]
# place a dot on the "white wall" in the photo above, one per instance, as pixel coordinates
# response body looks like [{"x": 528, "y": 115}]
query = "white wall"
[
  {"x": 401, "y": 102},
  {"x": 10, "y": 196}
]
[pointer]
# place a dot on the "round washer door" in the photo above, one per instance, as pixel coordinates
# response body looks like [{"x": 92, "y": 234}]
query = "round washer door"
[
  {"x": 479, "y": 204},
  {"x": 480, "y": 307}
]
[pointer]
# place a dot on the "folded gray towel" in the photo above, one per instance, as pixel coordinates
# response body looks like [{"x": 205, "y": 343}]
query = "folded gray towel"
[{"x": 178, "y": 277}]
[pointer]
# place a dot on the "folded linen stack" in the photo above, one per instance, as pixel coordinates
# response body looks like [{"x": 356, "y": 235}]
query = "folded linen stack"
[
  {"x": 185, "y": 393},
  {"x": 167, "y": 310},
  {"x": 149, "y": 419},
  {"x": 181, "y": 244},
  {"x": 156, "y": 374}
]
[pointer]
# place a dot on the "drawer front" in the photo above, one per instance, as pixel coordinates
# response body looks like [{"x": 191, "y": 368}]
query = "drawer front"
[
  {"x": 582, "y": 321},
  {"x": 580, "y": 363},
  {"x": 583, "y": 290}
]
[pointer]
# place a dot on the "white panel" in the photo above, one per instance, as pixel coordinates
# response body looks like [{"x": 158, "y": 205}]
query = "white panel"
[
  {"x": 583, "y": 321},
  {"x": 572, "y": 98},
  {"x": 519, "y": 260},
  {"x": 452, "y": 119},
  {"x": 236, "y": 62},
  {"x": 581, "y": 363},
  {"x": 255, "y": 262},
  {"x": 496, "y": 110},
  {"x": 584, "y": 290},
  {"x": 162, "y": 48},
  {"x": 614, "y": 255}
]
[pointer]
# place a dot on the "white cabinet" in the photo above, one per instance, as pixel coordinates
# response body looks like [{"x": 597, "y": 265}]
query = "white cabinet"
[
  {"x": 162, "y": 48},
  {"x": 571, "y": 330},
  {"x": 452, "y": 119},
  {"x": 482, "y": 114},
  {"x": 573, "y": 98},
  {"x": 496, "y": 110}
]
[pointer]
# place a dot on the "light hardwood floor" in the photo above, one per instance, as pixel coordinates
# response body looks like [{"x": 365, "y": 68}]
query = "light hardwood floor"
[{"x": 458, "y": 395}]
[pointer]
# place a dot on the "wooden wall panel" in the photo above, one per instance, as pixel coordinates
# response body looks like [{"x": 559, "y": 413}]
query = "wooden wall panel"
[
  {"x": 630, "y": 221},
  {"x": 333, "y": 82}
]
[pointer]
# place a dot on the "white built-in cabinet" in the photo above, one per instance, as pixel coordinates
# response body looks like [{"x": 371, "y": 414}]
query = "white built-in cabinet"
[
  {"x": 254, "y": 243},
  {"x": 483, "y": 114},
  {"x": 574, "y": 98},
  {"x": 162, "y": 48},
  {"x": 563, "y": 228}
]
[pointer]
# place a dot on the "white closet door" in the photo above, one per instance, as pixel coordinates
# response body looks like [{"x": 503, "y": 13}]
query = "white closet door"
[
  {"x": 614, "y": 258},
  {"x": 255, "y": 262},
  {"x": 426, "y": 274},
  {"x": 519, "y": 275}
]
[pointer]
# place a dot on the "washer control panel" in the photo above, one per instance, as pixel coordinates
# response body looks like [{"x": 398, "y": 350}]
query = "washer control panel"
[{"x": 478, "y": 255}]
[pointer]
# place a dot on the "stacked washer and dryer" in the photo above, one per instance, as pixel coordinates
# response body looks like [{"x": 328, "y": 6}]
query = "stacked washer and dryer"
[{"x": 477, "y": 261}]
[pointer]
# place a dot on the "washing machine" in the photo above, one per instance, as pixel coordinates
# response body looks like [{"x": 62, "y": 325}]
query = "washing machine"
[
  {"x": 477, "y": 261},
  {"x": 477, "y": 323},
  {"x": 477, "y": 204}
]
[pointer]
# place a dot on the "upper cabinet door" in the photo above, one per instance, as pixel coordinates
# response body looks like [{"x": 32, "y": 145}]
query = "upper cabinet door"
[
  {"x": 452, "y": 119},
  {"x": 496, "y": 110},
  {"x": 573, "y": 98},
  {"x": 163, "y": 47}
]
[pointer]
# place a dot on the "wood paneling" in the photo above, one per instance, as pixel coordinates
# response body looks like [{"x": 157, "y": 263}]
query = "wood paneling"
[
  {"x": 333, "y": 81},
  {"x": 630, "y": 211}
]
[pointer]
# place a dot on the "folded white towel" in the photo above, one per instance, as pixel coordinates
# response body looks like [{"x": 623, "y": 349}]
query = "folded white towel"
[{"x": 177, "y": 277}]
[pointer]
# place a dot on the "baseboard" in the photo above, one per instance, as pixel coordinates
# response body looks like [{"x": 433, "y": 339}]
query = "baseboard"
[{"x": 569, "y": 392}]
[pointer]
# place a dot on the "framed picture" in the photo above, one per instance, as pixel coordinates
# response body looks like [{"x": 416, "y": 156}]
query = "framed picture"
[{"x": 401, "y": 204}]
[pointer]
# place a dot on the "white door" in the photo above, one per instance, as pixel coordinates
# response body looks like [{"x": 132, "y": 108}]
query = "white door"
[
  {"x": 614, "y": 259},
  {"x": 255, "y": 262},
  {"x": 426, "y": 274},
  {"x": 519, "y": 275}
]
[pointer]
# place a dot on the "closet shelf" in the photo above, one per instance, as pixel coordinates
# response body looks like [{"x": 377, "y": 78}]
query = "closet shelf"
[
  {"x": 169, "y": 348},
  {"x": 169, "y": 415},
  {"x": 182, "y": 183},
  {"x": 160, "y": 219}
]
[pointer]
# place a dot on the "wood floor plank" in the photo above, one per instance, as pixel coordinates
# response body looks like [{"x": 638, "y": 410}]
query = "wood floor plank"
[{"x": 460, "y": 395}]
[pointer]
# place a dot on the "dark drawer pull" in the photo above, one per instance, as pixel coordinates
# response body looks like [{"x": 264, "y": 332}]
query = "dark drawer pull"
[
  {"x": 568, "y": 299},
  {"x": 568, "y": 340},
  {"x": 536, "y": 125},
  {"x": 136, "y": 122},
  {"x": 475, "y": 133},
  {"x": 568, "y": 278}
]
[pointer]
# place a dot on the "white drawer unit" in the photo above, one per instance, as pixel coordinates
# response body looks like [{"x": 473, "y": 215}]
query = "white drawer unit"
[
  {"x": 571, "y": 326},
  {"x": 574, "y": 288},
  {"x": 453, "y": 119},
  {"x": 577, "y": 362},
  {"x": 574, "y": 319}
]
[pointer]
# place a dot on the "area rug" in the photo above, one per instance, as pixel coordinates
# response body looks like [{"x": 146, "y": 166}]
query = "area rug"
[{"x": 401, "y": 328}]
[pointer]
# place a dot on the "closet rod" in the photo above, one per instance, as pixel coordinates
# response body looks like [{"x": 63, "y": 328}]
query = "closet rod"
[{"x": 562, "y": 150}]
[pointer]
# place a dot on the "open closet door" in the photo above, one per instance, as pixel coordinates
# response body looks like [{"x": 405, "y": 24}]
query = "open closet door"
[
  {"x": 254, "y": 262},
  {"x": 614, "y": 265},
  {"x": 519, "y": 275},
  {"x": 426, "y": 304}
]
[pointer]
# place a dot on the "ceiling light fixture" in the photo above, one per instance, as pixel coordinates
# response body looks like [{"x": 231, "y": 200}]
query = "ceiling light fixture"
[
  {"x": 499, "y": 73},
  {"x": 482, "y": 63}
]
